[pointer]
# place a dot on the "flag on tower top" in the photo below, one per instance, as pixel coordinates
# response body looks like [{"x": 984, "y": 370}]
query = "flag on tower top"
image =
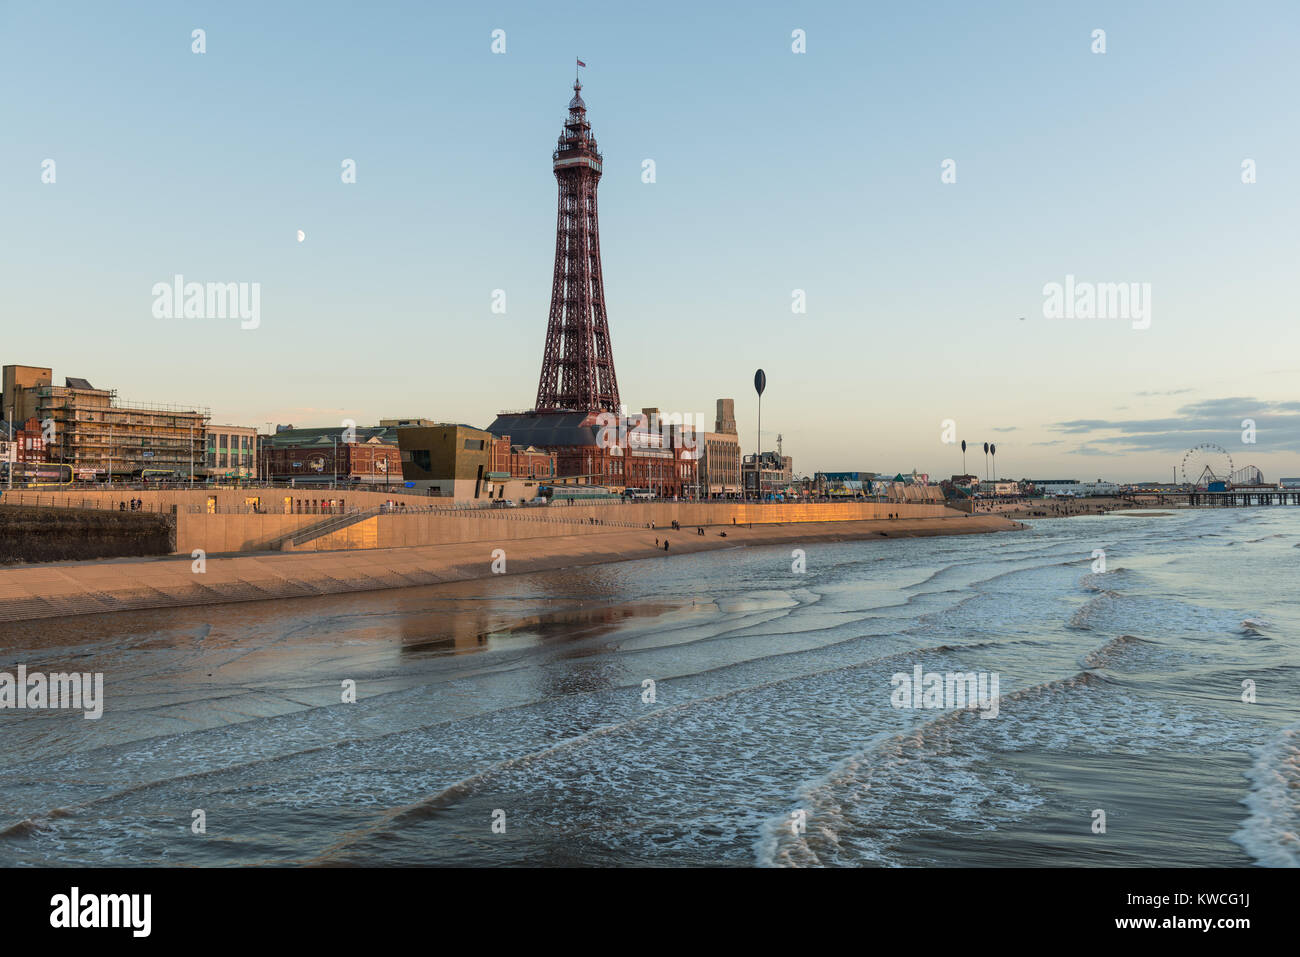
[{"x": 580, "y": 63}]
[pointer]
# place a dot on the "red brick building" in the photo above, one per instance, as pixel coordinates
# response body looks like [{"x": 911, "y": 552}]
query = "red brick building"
[
  {"x": 519, "y": 461},
  {"x": 600, "y": 448},
  {"x": 28, "y": 442},
  {"x": 314, "y": 456}
]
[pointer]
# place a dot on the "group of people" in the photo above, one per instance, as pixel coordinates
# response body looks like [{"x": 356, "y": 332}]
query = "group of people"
[
  {"x": 678, "y": 526},
  {"x": 137, "y": 505}
]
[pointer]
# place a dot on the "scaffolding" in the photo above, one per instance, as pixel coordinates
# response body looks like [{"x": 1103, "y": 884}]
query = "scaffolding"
[{"x": 95, "y": 432}]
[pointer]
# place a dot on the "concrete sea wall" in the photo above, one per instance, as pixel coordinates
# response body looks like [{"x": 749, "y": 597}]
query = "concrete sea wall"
[{"x": 222, "y": 521}]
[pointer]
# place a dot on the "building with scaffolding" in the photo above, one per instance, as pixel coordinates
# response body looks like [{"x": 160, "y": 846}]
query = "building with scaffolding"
[{"x": 104, "y": 438}]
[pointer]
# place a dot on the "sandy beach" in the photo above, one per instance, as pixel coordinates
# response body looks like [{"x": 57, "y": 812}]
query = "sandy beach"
[{"x": 81, "y": 588}]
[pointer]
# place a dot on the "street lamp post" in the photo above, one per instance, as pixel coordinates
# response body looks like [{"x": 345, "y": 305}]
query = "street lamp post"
[{"x": 760, "y": 383}]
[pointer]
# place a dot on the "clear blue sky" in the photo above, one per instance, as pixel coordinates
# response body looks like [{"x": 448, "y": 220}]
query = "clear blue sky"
[{"x": 775, "y": 172}]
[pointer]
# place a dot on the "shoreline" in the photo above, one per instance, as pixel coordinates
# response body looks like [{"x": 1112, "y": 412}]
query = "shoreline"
[
  {"x": 1066, "y": 508},
  {"x": 31, "y": 592}
]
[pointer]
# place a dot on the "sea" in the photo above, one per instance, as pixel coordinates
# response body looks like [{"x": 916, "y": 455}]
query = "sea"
[{"x": 746, "y": 707}]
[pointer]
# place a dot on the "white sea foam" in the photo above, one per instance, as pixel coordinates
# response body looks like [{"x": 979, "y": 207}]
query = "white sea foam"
[{"x": 1271, "y": 832}]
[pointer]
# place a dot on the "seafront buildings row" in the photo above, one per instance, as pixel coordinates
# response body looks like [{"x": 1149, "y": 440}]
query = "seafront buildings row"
[
  {"x": 76, "y": 432},
  {"x": 57, "y": 434},
  {"x": 95, "y": 437}
]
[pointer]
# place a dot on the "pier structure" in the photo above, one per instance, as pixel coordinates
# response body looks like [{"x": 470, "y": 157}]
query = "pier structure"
[{"x": 1243, "y": 497}]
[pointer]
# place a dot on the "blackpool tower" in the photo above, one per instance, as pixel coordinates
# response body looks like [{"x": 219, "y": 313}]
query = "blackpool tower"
[{"x": 578, "y": 362}]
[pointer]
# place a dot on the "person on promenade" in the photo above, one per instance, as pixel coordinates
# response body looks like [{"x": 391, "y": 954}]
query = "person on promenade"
[{"x": 665, "y": 544}]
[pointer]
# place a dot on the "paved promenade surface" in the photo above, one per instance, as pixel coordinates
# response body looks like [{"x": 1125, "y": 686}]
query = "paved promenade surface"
[{"x": 87, "y": 588}]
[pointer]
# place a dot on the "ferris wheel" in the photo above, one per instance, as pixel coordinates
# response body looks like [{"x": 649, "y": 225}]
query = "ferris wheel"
[{"x": 1206, "y": 463}]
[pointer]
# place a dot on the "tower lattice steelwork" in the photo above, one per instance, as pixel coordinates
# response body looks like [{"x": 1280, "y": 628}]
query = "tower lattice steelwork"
[{"x": 578, "y": 364}]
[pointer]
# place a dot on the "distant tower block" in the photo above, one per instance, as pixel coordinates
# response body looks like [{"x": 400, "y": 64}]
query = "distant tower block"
[
  {"x": 726, "y": 420},
  {"x": 578, "y": 364}
]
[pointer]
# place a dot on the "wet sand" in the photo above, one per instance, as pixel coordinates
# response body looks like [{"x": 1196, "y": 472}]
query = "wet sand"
[{"x": 81, "y": 588}]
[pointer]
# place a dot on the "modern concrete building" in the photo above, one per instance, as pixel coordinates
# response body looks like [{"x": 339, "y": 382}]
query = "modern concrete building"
[
  {"x": 452, "y": 460},
  {"x": 231, "y": 452},
  {"x": 719, "y": 463},
  {"x": 18, "y": 387}
]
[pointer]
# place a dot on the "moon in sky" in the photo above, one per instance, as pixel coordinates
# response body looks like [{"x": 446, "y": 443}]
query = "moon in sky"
[{"x": 301, "y": 235}]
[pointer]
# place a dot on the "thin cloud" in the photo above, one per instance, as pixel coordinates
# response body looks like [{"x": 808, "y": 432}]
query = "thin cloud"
[{"x": 1219, "y": 421}]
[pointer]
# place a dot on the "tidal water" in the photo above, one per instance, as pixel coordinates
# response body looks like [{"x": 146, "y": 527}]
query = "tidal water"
[{"x": 511, "y": 721}]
